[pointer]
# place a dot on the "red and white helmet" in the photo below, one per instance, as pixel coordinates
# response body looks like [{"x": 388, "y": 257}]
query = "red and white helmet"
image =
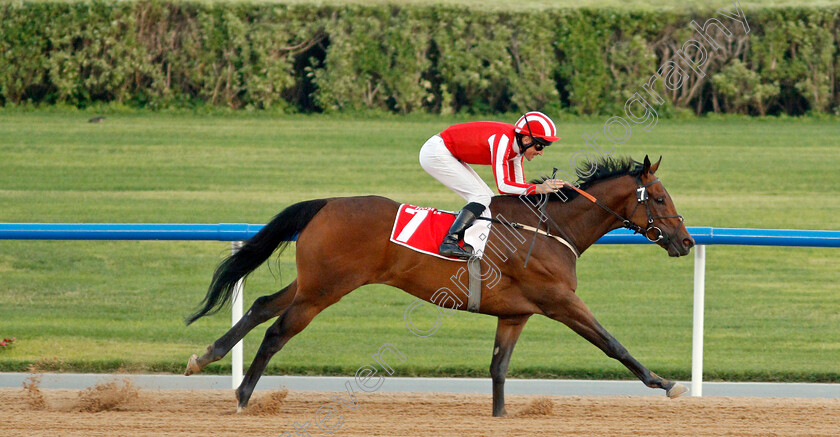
[{"x": 536, "y": 124}]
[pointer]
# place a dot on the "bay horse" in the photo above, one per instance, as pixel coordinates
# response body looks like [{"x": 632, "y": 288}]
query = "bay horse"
[{"x": 343, "y": 243}]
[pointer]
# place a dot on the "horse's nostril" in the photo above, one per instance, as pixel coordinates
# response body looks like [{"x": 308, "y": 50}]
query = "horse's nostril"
[{"x": 688, "y": 242}]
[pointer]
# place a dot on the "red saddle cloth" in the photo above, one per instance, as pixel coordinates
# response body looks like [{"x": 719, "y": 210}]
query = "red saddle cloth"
[{"x": 422, "y": 229}]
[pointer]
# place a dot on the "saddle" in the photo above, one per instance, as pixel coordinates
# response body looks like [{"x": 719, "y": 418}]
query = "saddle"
[{"x": 422, "y": 229}]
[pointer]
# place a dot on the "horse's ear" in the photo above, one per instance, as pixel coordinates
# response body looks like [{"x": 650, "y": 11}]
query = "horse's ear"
[
  {"x": 655, "y": 167},
  {"x": 646, "y": 167}
]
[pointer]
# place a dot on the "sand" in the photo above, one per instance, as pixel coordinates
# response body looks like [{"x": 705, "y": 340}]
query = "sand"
[{"x": 213, "y": 412}]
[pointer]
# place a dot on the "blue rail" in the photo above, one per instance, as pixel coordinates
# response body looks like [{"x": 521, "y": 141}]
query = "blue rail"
[
  {"x": 243, "y": 231},
  {"x": 133, "y": 231},
  {"x": 740, "y": 237}
]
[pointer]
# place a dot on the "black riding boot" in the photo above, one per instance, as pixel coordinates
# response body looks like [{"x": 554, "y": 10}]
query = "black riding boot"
[{"x": 465, "y": 219}]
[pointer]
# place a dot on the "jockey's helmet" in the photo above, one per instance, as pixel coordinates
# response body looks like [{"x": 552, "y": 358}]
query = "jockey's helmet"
[{"x": 538, "y": 126}]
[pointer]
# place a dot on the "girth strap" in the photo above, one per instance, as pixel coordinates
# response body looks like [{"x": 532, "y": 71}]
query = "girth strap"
[{"x": 474, "y": 269}]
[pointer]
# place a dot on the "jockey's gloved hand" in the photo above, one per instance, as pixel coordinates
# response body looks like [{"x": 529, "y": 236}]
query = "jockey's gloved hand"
[
  {"x": 551, "y": 186},
  {"x": 544, "y": 188},
  {"x": 559, "y": 183}
]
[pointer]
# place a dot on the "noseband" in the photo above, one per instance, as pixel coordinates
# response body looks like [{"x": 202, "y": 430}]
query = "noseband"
[{"x": 642, "y": 197}]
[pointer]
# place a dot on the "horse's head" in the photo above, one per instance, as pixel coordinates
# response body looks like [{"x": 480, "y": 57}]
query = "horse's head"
[{"x": 653, "y": 211}]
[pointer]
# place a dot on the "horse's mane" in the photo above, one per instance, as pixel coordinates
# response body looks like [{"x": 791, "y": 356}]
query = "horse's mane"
[{"x": 605, "y": 168}]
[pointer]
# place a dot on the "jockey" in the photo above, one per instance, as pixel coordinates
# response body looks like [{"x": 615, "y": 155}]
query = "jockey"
[{"x": 446, "y": 157}]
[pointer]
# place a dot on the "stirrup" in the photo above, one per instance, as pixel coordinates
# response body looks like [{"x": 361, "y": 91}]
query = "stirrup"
[{"x": 450, "y": 248}]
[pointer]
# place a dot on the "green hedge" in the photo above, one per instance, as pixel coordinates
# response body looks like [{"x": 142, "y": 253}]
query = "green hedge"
[{"x": 439, "y": 59}]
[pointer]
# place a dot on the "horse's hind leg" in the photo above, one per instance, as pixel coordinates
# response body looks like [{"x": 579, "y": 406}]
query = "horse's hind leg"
[
  {"x": 291, "y": 322},
  {"x": 573, "y": 312},
  {"x": 263, "y": 309}
]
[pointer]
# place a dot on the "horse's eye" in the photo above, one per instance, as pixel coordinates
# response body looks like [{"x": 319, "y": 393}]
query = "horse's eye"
[{"x": 660, "y": 200}]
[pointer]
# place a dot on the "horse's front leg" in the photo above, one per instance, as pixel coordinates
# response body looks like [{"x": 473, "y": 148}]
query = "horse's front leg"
[
  {"x": 507, "y": 332},
  {"x": 569, "y": 309}
]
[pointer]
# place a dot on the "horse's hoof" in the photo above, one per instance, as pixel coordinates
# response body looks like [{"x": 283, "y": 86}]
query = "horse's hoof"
[
  {"x": 238, "y": 410},
  {"x": 192, "y": 366},
  {"x": 676, "y": 391}
]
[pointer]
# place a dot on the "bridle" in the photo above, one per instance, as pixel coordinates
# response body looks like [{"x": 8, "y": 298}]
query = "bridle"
[{"x": 641, "y": 198}]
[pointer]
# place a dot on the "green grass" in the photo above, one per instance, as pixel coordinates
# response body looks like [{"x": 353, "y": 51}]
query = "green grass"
[{"x": 771, "y": 313}]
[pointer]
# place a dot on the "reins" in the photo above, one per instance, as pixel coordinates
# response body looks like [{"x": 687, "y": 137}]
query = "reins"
[
  {"x": 641, "y": 197},
  {"x": 565, "y": 240}
]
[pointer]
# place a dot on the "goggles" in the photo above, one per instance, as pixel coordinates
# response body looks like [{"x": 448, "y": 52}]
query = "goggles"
[{"x": 538, "y": 143}]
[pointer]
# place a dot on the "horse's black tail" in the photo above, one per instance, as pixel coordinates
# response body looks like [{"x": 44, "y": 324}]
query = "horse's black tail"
[{"x": 278, "y": 232}]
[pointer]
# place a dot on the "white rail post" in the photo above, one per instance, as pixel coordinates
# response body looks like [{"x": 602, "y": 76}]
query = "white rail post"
[
  {"x": 236, "y": 314},
  {"x": 697, "y": 336}
]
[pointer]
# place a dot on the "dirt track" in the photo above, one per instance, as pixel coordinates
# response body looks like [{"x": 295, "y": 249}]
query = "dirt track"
[{"x": 212, "y": 412}]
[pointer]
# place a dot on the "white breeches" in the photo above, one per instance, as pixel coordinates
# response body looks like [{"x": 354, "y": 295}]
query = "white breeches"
[{"x": 459, "y": 177}]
